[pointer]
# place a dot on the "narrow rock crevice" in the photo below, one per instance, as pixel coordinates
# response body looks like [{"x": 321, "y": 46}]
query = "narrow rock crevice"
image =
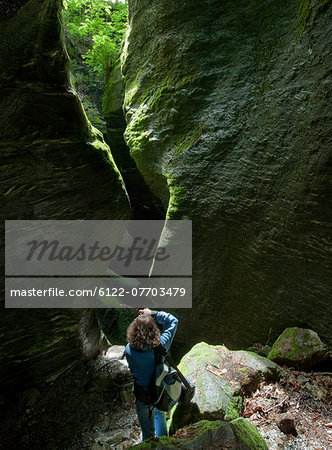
[{"x": 145, "y": 205}]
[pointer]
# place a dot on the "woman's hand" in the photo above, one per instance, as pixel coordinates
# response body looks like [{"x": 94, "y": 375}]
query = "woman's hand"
[{"x": 145, "y": 311}]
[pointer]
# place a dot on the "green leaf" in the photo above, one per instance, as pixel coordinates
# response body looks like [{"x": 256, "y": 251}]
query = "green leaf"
[{"x": 99, "y": 26}]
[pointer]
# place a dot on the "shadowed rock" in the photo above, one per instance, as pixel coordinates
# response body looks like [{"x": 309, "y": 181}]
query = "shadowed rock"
[{"x": 54, "y": 166}]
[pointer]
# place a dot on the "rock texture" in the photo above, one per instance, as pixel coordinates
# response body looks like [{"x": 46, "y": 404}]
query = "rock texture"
[
  {"x": 222, "y": 378},
  {"x": 239, "y": 434},
  {"x": 228, "y": 121},
  {"x": 111, "y": 371},
  {"x": 144, "y": 204},
  {"x": 299, "y": 348},
  {"x": 286, "y": 423},
  {"x": 54, "y": 166}
]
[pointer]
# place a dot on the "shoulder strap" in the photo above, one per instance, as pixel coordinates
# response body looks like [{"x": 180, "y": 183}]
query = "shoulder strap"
[
  {"x": 159, "y": 352},
  {"x": 180, "y": 374}
]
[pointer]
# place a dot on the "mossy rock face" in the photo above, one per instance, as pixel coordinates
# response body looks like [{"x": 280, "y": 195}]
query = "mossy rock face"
[
  {"x": 248, "y": 434},
  {"x": 55, "y": 166},
  {"x": 144, "y": 204},
  {"x": 222, "y": 378},
  {"x": 298, "y": 347},
  {"x": 227, "y": 108},
  {"x": 239, "y": 434}
]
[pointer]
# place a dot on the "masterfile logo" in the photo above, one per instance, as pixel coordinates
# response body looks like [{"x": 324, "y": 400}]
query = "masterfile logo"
[{"x": 122, "y": 260}]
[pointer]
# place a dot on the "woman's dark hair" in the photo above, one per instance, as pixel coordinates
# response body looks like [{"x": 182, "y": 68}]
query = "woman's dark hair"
[{"x": 142, "y": 332}]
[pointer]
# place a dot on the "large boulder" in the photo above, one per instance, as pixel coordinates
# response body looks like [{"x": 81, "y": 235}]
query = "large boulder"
[
  {"x": 222, "y": 379},
  {"x": 238, "y": 433},
  {"x": 54, "y": 166},
  {"x": 298, "y": 347},
  {"x": 228, "y": 120}
]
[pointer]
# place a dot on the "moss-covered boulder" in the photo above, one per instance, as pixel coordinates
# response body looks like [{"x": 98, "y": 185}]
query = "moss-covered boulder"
[
  {"x": 228, "y": 120},
  {"x": 247, "y": 434},
  {"x": 55, "y": 165},
  {"x": 222, "y": 379},
  {"x": 239, "y": 434},
  {"x": 298, "y": 347}
]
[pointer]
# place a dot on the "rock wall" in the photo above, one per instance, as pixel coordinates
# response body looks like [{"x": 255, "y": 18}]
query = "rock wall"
[
  {"x": 54, "y": 166},
  {"x": 227, "y": 120},
  {"x": 144, "y": 205}
]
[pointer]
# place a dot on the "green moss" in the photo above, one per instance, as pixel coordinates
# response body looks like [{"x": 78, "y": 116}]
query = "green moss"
[
  {"x": 93, "y": 114},
  {"x": 304, "y": 12},
  {"x": 234, "y": 408},
  {"x": 196, "y": 430},
  {"x": 204, "y": 425},
  {"x": 114, "y": 91},
  {"x": 189, "y": 139},
  {"x": 154, "y": 97},
  {"x": 244, "y": 431},
  {"x": 149, "y": 98},
  {"x": 97, "y": 142},
  {"x": 248, "y": 434},
  {"x": 137, "y": 141},
  {"x": 202, "y": 352},
  {"x": 177, "y": 200},
  {"x": 295, "y": 344},
  {"x": 130, "y": 94}
]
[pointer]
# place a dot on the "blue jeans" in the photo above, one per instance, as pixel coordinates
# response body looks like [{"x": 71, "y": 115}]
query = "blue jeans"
[{"x": 151, "y": 420}]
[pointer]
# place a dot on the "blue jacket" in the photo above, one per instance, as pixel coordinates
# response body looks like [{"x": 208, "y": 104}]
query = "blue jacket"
[{"x": 141, "y": 364}]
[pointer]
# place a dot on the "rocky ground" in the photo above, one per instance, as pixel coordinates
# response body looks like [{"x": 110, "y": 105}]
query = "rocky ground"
[
  {"x": 301, "y": 399},
  {"x": 92, "y": 408},
  {"x": 84, "y": 409}
]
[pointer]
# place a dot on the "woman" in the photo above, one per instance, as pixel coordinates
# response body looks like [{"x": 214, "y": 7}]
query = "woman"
[{"x": 144, "y": 335}]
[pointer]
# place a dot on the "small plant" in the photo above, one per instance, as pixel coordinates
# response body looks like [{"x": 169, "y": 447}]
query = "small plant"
[{"x": 94, "y": 32}]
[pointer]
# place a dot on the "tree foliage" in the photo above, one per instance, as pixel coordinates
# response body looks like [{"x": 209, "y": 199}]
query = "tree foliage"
[{"x": 95, "y": 29}]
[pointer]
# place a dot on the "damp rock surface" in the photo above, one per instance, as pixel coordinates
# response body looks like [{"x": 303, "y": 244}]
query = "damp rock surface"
[{"x": 228, "y": 120}]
